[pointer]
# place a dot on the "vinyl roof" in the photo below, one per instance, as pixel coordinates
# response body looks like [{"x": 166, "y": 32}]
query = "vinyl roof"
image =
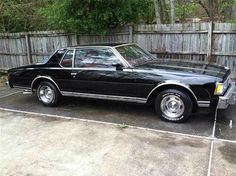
[
  {"x": 106, "y": 44},
  {"x": 100, "y": 44}
]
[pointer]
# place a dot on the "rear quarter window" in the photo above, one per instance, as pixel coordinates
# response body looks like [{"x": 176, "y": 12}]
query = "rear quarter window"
[
  {"x": 67, "y": 59},
  {"x": 56, "y": 57}
]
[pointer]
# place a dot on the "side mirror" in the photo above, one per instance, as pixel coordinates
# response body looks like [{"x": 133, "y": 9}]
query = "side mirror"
[{"x": 118, "y": 66}]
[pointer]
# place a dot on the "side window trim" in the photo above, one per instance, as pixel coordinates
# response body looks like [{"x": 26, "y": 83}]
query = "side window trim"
[
  {"x": 73, "y": 58},
  {"x": 63, "y": 58},
  {"x": 120, "y": 57}
]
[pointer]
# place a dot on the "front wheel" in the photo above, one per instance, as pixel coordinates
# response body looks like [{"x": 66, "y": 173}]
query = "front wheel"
[
  {"x": 47, "y": 94},
  {"x": 173, "y": 105}
]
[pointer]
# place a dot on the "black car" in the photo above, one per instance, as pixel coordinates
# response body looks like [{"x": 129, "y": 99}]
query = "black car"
[{"x": 127, "y": 73}]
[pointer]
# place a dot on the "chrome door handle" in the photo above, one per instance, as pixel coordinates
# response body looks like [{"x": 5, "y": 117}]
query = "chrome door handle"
[{"x": 73, "y": 74}]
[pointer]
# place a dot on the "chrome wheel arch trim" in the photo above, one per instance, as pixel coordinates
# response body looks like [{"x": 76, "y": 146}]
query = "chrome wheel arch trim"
[
  {"x": 44, "y": 77},
  {"x": 173, "y": 82}
]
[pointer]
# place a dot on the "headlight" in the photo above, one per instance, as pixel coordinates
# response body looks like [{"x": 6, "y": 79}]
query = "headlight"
[{"x": 219, "y": 89}]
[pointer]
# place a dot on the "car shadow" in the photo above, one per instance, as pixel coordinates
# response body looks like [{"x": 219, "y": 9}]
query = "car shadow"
[{"x": 114, "y": 112}]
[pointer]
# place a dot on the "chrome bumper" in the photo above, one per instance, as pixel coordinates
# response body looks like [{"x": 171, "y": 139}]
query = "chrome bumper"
[{"x": 228, "y": 99}]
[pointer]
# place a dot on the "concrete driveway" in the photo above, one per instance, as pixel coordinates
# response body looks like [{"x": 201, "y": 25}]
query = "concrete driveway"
[{"x": 87, "y": 137}]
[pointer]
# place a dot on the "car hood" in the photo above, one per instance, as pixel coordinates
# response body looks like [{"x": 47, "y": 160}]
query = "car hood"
[{"x": 187, "y": 69}]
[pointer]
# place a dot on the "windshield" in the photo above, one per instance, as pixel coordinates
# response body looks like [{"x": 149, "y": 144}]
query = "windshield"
[{"x": 134, "y": 54}]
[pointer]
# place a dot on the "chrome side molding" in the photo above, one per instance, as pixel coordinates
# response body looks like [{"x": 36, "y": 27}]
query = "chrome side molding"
[
  {"x": 105, "y": 97},
  {"x": 27, "y": 92},
  {"x": 203, "y": 104}
]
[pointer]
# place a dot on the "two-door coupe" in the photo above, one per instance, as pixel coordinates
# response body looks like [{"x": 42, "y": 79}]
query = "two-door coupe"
[{"x": 126, "y": 72}]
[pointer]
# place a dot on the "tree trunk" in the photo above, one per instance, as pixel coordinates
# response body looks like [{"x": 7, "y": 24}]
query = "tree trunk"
[
  {"x": 211, "y": 8},
  {"x": 230, "y": 11},
  {"x": 157, "y": 11},
  {"x": 204, "y": 7},
  {"x": 172, "y": 11},
  {"x": 161, "y": 11},
  {"x": 165, "y": 11},
  {"x": 233, "y": 17}
]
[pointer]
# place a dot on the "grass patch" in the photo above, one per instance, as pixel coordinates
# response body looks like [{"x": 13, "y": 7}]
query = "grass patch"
[
  {"x": 3, "y": 74},
  {"x": 122, "y": 126}
]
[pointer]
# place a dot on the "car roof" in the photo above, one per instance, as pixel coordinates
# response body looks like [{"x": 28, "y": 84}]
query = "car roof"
[{"x": 98, "y": 45}]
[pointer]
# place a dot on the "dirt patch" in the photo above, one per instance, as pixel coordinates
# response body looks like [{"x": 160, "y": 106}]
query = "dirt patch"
[{"x": 228, "y": 152}]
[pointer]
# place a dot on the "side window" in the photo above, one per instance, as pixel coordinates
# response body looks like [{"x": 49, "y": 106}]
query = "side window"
[
  {"x": 67, "y": 59},
  {"x": 95, "y": 57}
]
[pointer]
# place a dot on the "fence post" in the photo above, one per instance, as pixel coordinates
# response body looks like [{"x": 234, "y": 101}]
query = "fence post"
[
  {"x": 130, "y": 34},
  {"x": 28, "y": 48},
  {"x": 209, "y": 41},
  {"x": 77, "y": 39}
]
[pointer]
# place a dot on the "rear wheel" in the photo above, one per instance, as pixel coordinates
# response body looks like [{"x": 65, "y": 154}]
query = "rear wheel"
[
  {"x": 48, "y": 94},
  {"x": 173, "y": 105}
]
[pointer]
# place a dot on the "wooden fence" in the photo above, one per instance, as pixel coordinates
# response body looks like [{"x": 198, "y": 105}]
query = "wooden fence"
[{"x": 205, "y": 42}]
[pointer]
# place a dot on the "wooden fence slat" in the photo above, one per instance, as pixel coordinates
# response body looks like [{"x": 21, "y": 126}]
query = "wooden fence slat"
[
  {"x": 209, "y": 41},
  {"x": 28, "y": 49}
]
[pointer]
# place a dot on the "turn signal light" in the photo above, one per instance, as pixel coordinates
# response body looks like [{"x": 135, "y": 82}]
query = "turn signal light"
[{"x": 219, "y": 89}]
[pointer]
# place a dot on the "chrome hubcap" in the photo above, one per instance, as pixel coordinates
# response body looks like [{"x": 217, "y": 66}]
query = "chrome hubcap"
[
  {"x": 46, "y": 94},
  {"x": 172, "y": 106}
]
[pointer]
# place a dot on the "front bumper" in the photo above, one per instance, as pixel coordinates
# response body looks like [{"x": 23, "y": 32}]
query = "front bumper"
[{"x": 228, "y": 99}]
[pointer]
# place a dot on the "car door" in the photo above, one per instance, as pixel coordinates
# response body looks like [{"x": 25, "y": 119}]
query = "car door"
[{"x": 95, "y": 71}]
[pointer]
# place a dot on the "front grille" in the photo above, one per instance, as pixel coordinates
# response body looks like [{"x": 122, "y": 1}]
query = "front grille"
[{"x": 227, "y": 83}]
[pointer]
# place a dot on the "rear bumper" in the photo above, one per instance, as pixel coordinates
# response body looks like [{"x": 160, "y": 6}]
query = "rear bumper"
[
  {"x": 7, "y": 84},
  {"x": 228, "y": 99}
]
